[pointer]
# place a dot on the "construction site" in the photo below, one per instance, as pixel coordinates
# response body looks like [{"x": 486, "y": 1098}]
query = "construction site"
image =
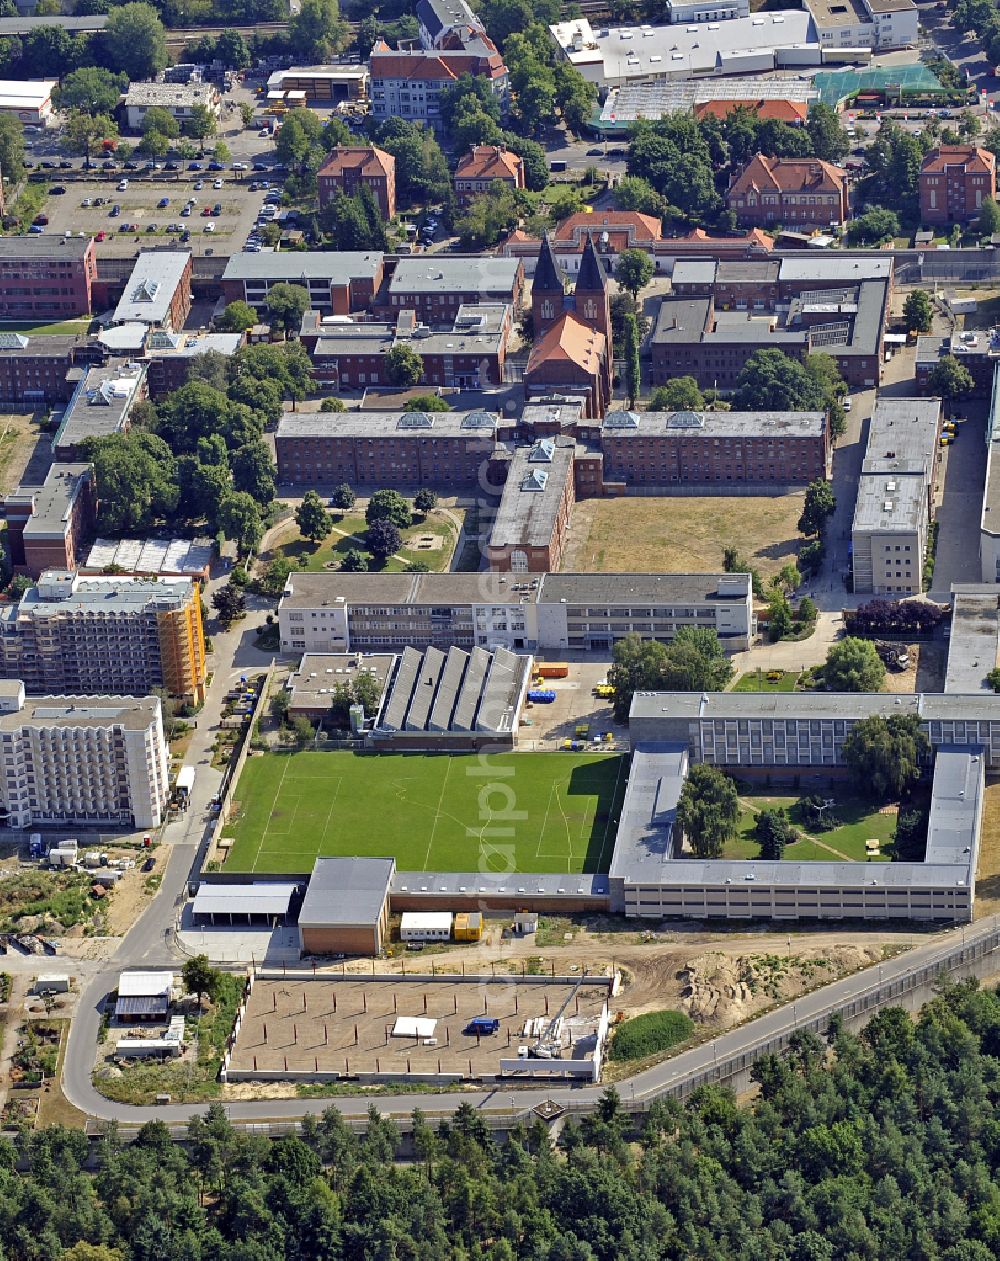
[{"x": 429, "y": 1028}]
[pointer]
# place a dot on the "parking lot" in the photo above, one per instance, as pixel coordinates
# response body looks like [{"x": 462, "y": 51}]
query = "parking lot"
[
  {"x": 140, "y": 206},
  {"x": 549, "y": 726}
]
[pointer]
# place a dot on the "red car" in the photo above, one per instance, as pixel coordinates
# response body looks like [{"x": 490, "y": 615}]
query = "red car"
[
  {"x": 206, "y": 212},
  {"x": 100, "y": 236}
]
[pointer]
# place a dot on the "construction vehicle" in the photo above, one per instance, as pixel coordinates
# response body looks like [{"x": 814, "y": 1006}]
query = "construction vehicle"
[
  {"x": 548, "y": 1045},
  {"x": 894, "y": 656}
]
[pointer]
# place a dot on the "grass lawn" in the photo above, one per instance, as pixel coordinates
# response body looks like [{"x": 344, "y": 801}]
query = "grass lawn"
[
  {"x": 987, "y": 313},
  {"x": 757, "y": 681},
  {"x": 82, "y": 325},
  {"x": 686, "y": 534},
  {"x": 349, "y": 532},
  {"x": 846, "y": 842},
  {"x": 19, "y": 431},
  {"x": 443, "y": 813}
]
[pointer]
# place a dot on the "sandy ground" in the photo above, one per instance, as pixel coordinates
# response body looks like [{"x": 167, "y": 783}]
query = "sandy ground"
[
  {"x": 19, "y": 434},
  {"x": 988, "y": 871}
]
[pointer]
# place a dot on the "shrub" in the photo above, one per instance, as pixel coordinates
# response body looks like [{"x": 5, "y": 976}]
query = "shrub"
[{"x": 649, "y": 1034}]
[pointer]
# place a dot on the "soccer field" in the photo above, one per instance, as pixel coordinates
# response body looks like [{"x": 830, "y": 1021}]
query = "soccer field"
[{"x": 529, "y": 812}]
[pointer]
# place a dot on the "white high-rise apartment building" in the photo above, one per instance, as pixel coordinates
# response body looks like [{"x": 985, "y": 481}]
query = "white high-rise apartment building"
[{"x": 81, "y": 761}]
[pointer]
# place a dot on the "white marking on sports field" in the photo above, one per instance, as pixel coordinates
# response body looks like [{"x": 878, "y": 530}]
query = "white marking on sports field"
[
  {"x": 437, "y": 814},
  {"x": 270, "y": 815}
]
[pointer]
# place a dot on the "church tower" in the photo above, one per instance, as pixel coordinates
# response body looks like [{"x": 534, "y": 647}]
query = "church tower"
[
  {"x": 592, "y": 303},
  {"x": 548, "y": 290}
]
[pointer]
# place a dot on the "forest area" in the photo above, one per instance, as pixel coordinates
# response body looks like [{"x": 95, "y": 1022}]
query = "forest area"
[{"x": 856, "y": 1148}]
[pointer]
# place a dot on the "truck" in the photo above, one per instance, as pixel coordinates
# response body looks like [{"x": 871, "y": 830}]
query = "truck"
[
  {"x": 894, "y": 656},
  {"x": 482, "y": 1026},
  {"x": 183, "y": 786}
]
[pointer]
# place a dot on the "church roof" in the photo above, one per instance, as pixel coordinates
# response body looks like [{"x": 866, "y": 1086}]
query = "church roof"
[
  {"x": 548, "y": 273},
  {"x": 569, "y": 341},
  {"x": 591, "y": 277}
]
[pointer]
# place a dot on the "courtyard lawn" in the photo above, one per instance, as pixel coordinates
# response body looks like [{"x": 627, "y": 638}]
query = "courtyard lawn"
[
  {"x": 858, "y": 823},
  {"x": 760, "y": 681},
  {"x": 82, "y": 325},
  {"x": 431, "y": 540},
  {"x": 518, "y": 812},
  {"x": 683, "y": 533}
]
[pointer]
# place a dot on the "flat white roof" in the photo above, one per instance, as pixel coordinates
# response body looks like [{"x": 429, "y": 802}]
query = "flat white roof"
[
  {"x": 413, "y": 1027},
  {"x": 144, "y": 984},
  {"x": 243, "y": 899},
  {"x": 428, "y": 921},
  {"x": 25, "y": 93}
]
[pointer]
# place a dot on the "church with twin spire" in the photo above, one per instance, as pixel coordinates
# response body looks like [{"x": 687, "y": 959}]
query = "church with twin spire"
[{"x": 572, "y": 351}]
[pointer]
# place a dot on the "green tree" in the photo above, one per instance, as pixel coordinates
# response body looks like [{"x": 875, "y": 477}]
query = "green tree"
[
  {"x": 343, "y": 496},
  {"x": 316, "y": 32},
  {"x": 240, "y": 520},
  {"x": 303, "y": 732},
  {"x": 82, "y": 131},
  {"x": 818, "y": 507},
  {"x": 200, "y": 978},
  {"x": 254, "y": 471},
  {"x": 427, "y": 403},
  {"x": 135, "y": 41},
  {"x": 633, "y": 379},
  {"x": 950, "y": 378},
  {"x": 201, "y": 125},
  {"x": 531, "y": 153},
  {"x": 918, "y": 311},
  {"x": 160, "y": 120},
  {"x": 422, "y": 175},
  {"x": 90, "y": 89},
  {"x": 779, "y": 615},
  {"x": 425, "y": 500},
  {"x": 403, "y": 366},
  {"x": 634, "y": 270},
  {"x": 354, "y": 561},
  {"x": 807, "y": 611},
  {"x": 886, "y": 755},
  {"x": 383, "y": 538},
  {"x": 230, "y": 603},
  {"x": 708, "y": 810},
  {"x": 873, "y": 227},
  {"x": 312, "y": 518},
  {"x": 487, "y": 217},
  {"x": 989, "y": 217},
  {"x": 332, "y": 405},
  {"x": 237, "y": 318},
  {"x": 773, "y": 832},
  {"x": 247, "y": 115},
  {"x": 136, "y": 479},
  {"x": 771, "y": 381},
  {"x": 830, "y": 141},
  {"x": 680, "y": 394},
  {"x": 389, "y": 505},
  {"x": 853, "y": 665},
  {"x": 788, "y": 578},
  {"x": 632, "y": 192},
  {"x": 11, "y": 149},
  {"x": 286, "y": 305}
]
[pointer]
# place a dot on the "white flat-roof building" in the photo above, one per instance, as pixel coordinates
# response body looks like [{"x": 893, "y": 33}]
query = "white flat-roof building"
[
  {"x": 425, "y": 926},
  {"x": 158, "y": 292},
  {"x": 896, "y": 496},
  {"x": 81, "y": 761},
  {"x": 765, "y": 41},
  {"x": 178, "y": 99},
  {"x": 28, "y": 100}
]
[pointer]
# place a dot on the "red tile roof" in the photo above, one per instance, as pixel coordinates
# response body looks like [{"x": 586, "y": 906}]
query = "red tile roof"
[
  {"x": 569, "y": 341},
  {"x": 645, "y": 228},
  {"x": 972, "y": 158},
  {"x": 788, "y": 175},
  {"x": 487, "y": 161},
  {"x": 779, "y": 110},
  {"x": 369, "y": 160},
  {"x": 385, "y": 64}
]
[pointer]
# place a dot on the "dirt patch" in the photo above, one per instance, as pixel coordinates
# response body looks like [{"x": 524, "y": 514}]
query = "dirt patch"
[
  {"x": 683, "y": 533},
  {"x": 131, "y": 895},
  {"x": 19, "y": 435}
]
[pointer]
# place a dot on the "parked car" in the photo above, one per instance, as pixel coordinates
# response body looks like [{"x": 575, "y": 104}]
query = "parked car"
[
  {"x": 36, "y": 229},
  {"x": 216, "y": 166},
  {"x": 259, "y": 166},
  {"x": 122, "y": 185},
  {"x": 184, "y": 236},
  {"x": 198, "y": 185},
  {"x": 57, "y": 190},
  {"x": 115, "y": 211},
  {"x": 171, "y": 166},
  {"x": 194, "y": 166},
  {"x": 100, "y": 236},
  {"x": 152, "y": 227},
  {"x": 209, "y": 227},
  {"x": 206, "y": 212},
  {"x": 41, "y": 220},
  {"x": 185, "y": 212},
  {"x": 217, "y": 183},
  {"x": 163, "y": 203},
  {"x": 217, "y": 210}
]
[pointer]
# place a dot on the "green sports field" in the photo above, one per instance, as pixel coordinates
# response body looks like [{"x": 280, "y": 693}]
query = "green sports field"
[{"x": 526, "y": 812}]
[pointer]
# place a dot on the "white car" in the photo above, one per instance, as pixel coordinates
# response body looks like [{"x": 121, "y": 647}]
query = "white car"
[
  {"x": 209, "y": 227},
  {"x": 122, "y": 185},
  {"x": 87, "y": 201},
  {"x": 217, "y": 183},
  {"x": 847, "y": 404}
]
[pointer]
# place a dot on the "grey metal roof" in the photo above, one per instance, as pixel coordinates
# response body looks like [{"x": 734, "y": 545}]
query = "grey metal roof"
[
  {"x": 53, "y": 500},
  {"x": 903, "y": 435},
  {"x": 644, "y": 840},
  {"x": 339, "y": 267},
  {"x": 346, "y": 891},
  {"x": 469, "y": 274},
  {"x": 974, "y": 639},
  {"x": 135, "y": 713},
  {"x": 835, "y": 267},
  {"x": 855, "y": 705},
  {"x": 681, "y": 319},
  {"x": 956, "y": 806},
  {"x": 724, "y": 424},
  {"x": 505, "y": 683},
  {"x": 509, "y": 885},
  {"x": 532, "y": 496},
  {"x": 638, "y": 589},
  {"x": 149, "y": 291},
  {"x": 374, "y": 424},
  {"x": 265, "y": 898},
  {"x": 694, "y": 271},
  {"x": 101, "y": 403},
  {"x": 890, "y": 503},
  {"x": 44, "y": 245}
]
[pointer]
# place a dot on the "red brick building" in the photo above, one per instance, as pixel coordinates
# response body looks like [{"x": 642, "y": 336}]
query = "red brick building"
[
  {"x": 440, "y": 449},
  {"x": 39, "y": 371},
  {"x": 434, "y": 286},
  {"x": 792, "y": 191},
  {"x": 46, "y": 277},
  {"x": 469, "y": 355},
  {"x": 340, "y": 282},
  {"x": 532, "y": 523},
  {"x": 481, "y": 166},
  {"x": 954, "y": 179},
  {"x": 348, "y": 169},
  {"x": 572, "y": 352},
  {"x": 158, "y": 292},
  {"x": 48, "y": 526}
]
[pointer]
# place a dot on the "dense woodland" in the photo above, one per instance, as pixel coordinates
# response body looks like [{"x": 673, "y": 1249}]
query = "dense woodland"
[{"x": 861, "y": 1148}]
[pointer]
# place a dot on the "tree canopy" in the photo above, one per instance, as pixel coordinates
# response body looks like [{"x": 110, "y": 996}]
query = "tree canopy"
[
  {"x": 853, "y": 665},
  {"x": 772, "y": 381},
  {"x": 708, "y": 809},
  {"x": 694, "y": 661},
  {"x": 886, "y": 755}
]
